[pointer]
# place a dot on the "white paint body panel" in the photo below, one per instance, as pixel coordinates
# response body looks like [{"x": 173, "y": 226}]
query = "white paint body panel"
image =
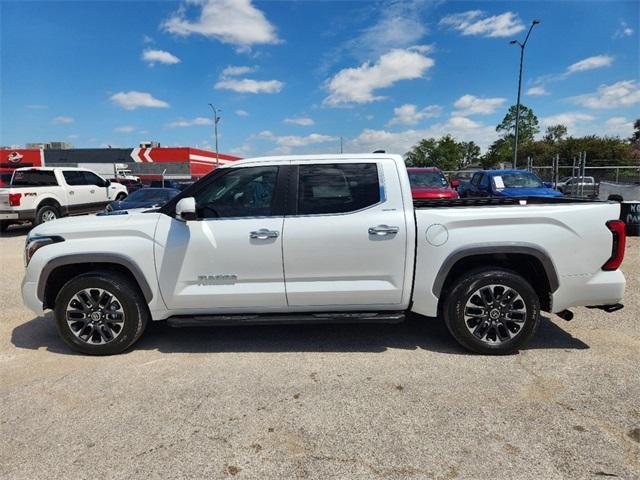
[{"x": 328, "y": 262}]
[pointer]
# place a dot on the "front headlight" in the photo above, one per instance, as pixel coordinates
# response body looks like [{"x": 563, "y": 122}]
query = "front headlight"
[{"x": 33, "y": 244}]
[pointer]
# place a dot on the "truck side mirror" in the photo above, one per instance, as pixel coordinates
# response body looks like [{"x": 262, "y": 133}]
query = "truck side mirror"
[{"x": 186, "y": 209}]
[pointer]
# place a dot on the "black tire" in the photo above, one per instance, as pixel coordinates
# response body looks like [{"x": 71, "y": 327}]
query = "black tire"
[
  {"x": 4, "y": 225},
  {"x": 128, "y": 297},
  {"x": 121, "y": 196},
  {"x": 45, "y": 214},
  {"x": 501, "y": 336}
]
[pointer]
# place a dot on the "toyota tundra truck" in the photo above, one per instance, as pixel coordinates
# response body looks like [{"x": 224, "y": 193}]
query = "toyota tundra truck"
[
  {"x": 325, "y": 238},
  {"x": 43, "y": 194}
]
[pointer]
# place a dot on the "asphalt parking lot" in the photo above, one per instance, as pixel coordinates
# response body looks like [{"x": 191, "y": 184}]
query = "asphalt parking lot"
[{"x": 346, "y": 401}]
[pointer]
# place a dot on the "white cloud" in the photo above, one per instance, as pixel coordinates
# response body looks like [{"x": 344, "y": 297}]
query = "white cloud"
[
  {"x": 242, "y": 113},
  {"x": 591, "y": 63},
  {"x": 241, "y": 151},
  {"x": 147, "y": 39},
  {"x": 62, "y": 120},
  {"x": 619, "y": 126},
  {"x": 232, "y": 71},
  {"x": 408, "y": 114},
  {"x": 617, "y": 95},
  {"x": 290, "y": 141},
  {"x": 537, "y": 91},
  {"x": 228, "y": 81},
  {"x": 463, "y": 129},
  {"x": 191, "y": 123},
  {"x": 474, "y": 22},
  {"x": 357, "y": 85},
  {"x": 399, "y": 26},
  {"x": 236, "y": 22},
  {"x": 125, "y": 129},
  {"x": 37, "y": 107},
  {"x": 304, "y": 121},
  {"x": 472, "y": 105},
  {"x": 159, "y": 56},
  {"x": 568, "y": 119},
  {"x": 132, "y": 100},
  {"x": 623, "y": 30},
  {"x": 248, "y": 85},
  {"x": 73, "y": 136}
]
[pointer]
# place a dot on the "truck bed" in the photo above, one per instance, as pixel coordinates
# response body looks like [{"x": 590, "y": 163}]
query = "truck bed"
[{"x": 495, "y": 201}]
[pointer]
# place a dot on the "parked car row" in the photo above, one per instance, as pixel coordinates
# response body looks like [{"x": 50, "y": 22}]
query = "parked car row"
[
  {"x": 42, "y": 194},
  {"x": 431, "y": 183}
]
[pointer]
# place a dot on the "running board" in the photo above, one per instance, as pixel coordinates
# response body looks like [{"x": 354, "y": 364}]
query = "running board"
[{"x": 290, "y": 318}]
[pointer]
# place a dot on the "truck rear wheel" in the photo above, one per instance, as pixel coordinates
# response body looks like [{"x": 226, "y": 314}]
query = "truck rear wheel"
[
  {"x": 100, "y": 313},
  {"x": 492, "y": 311},
  {"x": 46, "y": 213}
]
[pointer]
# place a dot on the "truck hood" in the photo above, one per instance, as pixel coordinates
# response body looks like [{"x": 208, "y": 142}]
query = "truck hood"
[
  {"x": 528, "y": 192},
  {"x": 89, "y": 226},
  {"x": 433, "y": 192}
]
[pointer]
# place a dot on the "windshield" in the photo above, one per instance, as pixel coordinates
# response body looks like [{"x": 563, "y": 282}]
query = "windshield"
[
  {"x": 151, "y": 195},
  {"x": 427, "y": 179},
  {"x": 517, "y": 180}
]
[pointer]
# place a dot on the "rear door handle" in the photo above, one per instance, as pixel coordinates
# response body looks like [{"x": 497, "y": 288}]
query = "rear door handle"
[
  {"x": 264, "y": 233},
  {"x": 92, "y": 191},
  {"x": 71, "y": 192},
  {"x": 383, "y": 230}
]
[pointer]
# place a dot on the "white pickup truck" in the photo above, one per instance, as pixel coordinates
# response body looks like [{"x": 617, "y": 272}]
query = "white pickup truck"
[
  {"x": 43, "y": 194},
  {"x": 328, "y": 238}
]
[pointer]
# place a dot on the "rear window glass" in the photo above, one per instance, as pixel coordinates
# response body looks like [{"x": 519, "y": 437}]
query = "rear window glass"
[
  {"x": 337, "y": 188},
  {"x": 34, "y": 178}
]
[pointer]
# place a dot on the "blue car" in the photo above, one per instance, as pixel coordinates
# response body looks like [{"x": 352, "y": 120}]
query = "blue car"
[
  {"x": 144, "y": 198},
  {"x": 506, "y": 183}
]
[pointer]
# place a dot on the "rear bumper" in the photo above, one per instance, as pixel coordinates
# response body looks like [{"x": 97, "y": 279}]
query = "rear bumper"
[
  {"x": 17, "y": 215},
  {"x": 602, "y": 288}
]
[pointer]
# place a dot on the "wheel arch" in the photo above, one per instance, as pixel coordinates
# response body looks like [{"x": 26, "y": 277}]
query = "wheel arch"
[
  {"x": 531, "y": 262},
  {"x": 58, "y": 271}
]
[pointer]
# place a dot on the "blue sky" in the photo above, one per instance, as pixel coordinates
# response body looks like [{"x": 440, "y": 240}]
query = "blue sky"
[{"x": 293, "y": 77}]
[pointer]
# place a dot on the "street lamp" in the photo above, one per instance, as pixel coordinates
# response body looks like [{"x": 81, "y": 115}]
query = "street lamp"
[
  {"x": 216, "y": 119},
  {"x": 522, "y": 45}
]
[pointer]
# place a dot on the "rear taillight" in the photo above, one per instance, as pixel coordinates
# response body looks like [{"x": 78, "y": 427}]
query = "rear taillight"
[
  {"x": 14, "y": 199},
  {"x": 618, "y": 230}
]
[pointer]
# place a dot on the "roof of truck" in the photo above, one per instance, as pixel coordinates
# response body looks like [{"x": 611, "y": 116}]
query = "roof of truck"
[{"x": 338, "y": 157}]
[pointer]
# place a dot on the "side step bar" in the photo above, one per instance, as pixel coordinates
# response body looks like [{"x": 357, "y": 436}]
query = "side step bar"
[
  {"x": 284, "y": 318},
  {"x": 608, "y": 308}
]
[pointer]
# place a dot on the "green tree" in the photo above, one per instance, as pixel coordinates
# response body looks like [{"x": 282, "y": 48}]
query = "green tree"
[
  {"x": 444, "y": 153},
  {"x": 498, "y": 152},
  {"x": 470, "y": 152},
  {"x": 635, "y": 137},
  {"x": 555, "y": 134},
  {"x": 527, "y": 129}
]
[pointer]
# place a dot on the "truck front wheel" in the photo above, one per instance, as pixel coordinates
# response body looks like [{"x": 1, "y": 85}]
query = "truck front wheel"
[
  {"x": 100, "y": 313},
  {"x": 492, "y": 311}
]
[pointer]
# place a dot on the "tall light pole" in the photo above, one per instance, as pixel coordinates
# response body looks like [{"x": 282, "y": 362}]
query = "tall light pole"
[
  {"x": 522, "y": 45},
  {"x": 216, "y": 119}
]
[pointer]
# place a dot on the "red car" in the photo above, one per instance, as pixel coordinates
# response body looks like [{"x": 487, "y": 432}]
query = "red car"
[{"x": 430, "y": 182}]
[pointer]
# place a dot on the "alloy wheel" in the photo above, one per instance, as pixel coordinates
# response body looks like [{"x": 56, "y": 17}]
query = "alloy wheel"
[{"x": 95, "y": 316}]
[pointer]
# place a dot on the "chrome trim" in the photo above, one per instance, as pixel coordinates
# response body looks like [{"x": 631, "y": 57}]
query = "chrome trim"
[
  {"x": 264, "y": 233},
  {"x": 382, "y": 230}
]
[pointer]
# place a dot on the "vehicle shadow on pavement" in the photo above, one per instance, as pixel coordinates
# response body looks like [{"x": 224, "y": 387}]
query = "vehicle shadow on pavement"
[
  {"x": 17, "y": 231},
  {"x": 415, "y": 333}
]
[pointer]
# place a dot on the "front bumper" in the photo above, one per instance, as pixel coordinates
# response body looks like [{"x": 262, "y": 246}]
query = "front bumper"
[{"x": 30, "y": 297}]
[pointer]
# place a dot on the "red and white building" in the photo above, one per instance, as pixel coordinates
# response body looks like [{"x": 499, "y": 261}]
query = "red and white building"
[{"x": 146, "y": 163}]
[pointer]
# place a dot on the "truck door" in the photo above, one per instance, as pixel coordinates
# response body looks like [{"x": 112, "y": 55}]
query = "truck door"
[
  {"x": 229, "y": 259},
  {"x": 98, "y": 190},
  {"x": 78, "y": 193},
  {"x": 345, "y": 241}
]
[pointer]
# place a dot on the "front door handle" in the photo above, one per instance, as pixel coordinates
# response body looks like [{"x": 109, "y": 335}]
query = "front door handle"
[
  {"x": 383, "y": 230},
  {"x": 92, "y": 191},
  {"x": 264, "y": 233},
  {"x": 71, "y": 192}
]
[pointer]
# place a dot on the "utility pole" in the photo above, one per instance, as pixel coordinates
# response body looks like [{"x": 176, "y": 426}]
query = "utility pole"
[
  {"x": 216, "y": 119},
  {"x": 341, "y": 144},
  {"x": 522, "y": 45}
]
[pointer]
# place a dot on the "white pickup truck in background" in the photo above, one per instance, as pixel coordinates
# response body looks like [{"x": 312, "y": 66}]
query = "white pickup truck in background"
[
  {"x": 325, "y": 238},
  {"x": 43, "y": 194}
]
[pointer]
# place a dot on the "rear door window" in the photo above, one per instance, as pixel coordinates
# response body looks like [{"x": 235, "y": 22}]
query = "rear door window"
[
  {"x": 34, "y": 178},
  {"x": 337, "y": 188},
  {"x": 73, "y": 177}
]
